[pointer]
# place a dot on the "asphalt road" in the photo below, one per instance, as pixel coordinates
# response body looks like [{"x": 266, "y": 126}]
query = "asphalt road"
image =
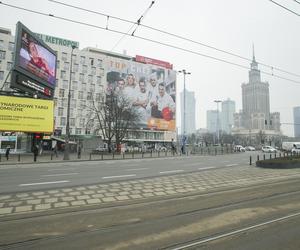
[
  {"x": 264, "y": 216},
  {"x": 30, "y": 177}
]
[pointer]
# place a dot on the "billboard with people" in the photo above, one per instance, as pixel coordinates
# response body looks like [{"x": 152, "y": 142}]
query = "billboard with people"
[
  {"x": 34, "y": 65},
  {"x": 150, "y": 90}
]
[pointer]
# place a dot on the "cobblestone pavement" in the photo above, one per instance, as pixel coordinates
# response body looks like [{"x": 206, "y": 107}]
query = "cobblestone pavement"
[{"x": 124, "y": 191}]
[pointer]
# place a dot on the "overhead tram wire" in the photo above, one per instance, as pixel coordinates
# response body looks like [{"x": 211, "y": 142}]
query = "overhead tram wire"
[
  {"x": 286, "y": 8},
  {"x": 146, "y": 39},
  {"x": 178, "y": 36},
  {"x": 137, "y": 24},
  {"x": 297, "y": 1}
]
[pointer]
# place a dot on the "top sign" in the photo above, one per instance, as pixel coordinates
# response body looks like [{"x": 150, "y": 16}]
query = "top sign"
[
  {"x": 57, "y": 40},
  {"x": 148, "y": 60}
]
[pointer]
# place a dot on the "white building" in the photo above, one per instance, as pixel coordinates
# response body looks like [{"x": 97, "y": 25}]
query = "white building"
[
  {"x": 88, "y": 82},
  {"x": 227, "y": 120},
  {"x": 212, "y": 120},
  {"x": 190, "y": 112}
]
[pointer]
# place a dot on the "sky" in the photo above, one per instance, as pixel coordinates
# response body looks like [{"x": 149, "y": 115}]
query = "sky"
[{"x": 232, "y": 25}]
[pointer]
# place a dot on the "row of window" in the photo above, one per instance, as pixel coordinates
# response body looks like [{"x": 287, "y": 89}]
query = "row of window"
[
  {"x": 11, "y": 45},
  {"x": 82, "y": 78},
  {"x": 83, "y": 59}
]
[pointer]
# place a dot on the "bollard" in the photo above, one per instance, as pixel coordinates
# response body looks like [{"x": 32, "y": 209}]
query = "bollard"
[
  {"x": 166, "y": 153},
  {"x": 257, "y": 157},
  {"x": 51, "y": 157},
  {"x": 279, "y": 155},
  {"x": 158, "y": 154},
  {"x": 113, "y": 155},
  {"x": 124, "y": 155},
  {"x": 102, "y": 156},
  {"x": 151, "y": 153},
  {"x": 19, "y": 157},
  {"x": 132, "y": 155},
  {"x": 250, "y": 160},
  {"x": 215, "y": 151},
  {"x": 275, "y": 156},
  {"x": 90, "y": 156},
  {"x": 264, "y": 157},
  {"x": 142, "y": 154},
  {"x": 270, "y": 156}
]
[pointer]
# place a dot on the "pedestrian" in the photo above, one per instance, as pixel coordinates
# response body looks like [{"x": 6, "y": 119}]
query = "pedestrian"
[
  {"x": 7, "y": 152},
  {"x": 79, "y": 152},
  {"x": 35, "y": 151},
  {"x": 55, "y": 150},
  {"x": 174, "y": 151}
]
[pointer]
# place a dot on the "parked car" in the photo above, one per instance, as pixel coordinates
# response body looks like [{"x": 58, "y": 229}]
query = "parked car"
[
  {"x": 268, "y": 149},
  {"x": 250, "y": 148},
  {"x": 239, "y": 148},
  {"x": 102, "y": 148},
  {"x": 296, "y": 148}
]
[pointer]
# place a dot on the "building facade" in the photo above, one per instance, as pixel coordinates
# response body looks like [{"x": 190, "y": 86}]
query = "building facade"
[
  {"x": 296, "y": 112},
  {"x": 89, "y": 75},
  {"x": 190, "y": 112},
  {"x": 211, "y": 120},
  {"x": 227, "y": 115}
]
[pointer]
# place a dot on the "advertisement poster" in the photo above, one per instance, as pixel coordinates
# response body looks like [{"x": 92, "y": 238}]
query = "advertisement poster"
[{"x": 150, "y": 89}]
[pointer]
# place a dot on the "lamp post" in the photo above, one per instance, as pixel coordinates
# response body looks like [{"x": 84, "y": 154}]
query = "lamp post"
[
  {"x": 218, "y": 122},
  {"x": 184, "y": 72},
  {"x": 67, "y": 138}
]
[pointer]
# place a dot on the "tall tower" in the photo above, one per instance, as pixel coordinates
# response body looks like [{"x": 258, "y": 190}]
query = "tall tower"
[
  {"x": 256, "y": 101},
  {"x": 190, "y": 113},
  {"x": 228, "y": 110}
]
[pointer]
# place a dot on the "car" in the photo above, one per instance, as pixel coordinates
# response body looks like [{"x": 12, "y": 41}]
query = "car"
[
  {"x": 239, "y": 148},
  {"x": 102, "y": 148},
  {"x": 250, "y": 148},
  {"x": 296, "y": 148},
  {"x": 268, "y": 149}
]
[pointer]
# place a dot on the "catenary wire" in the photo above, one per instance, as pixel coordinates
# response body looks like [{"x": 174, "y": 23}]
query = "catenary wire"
[
  {"x": 177, "y": 36},
  {"x": 289, "y": 10},
  {"x": 147, "y": 39}
]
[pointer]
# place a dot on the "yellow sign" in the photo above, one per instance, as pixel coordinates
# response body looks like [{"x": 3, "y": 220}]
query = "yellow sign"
[{"x": 26, "y": 114}]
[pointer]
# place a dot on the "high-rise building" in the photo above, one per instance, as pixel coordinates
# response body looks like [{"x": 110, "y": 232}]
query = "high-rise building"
[
  {"x": 211, "y": 120},
  {"x": 228, "y": 110},
  {"x": 297, "y": 121},
  {"x": 190, "y": 112}
]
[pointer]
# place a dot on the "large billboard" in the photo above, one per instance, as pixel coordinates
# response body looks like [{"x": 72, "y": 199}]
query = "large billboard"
[
  {"x": 34, "y": 68},
  {"x": 26, "y": 114},
  {"x": 150, "y": 89}
]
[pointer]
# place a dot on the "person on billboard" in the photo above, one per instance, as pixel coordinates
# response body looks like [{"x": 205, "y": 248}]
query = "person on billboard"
[
  {"x": 37, "y": 60},
  {"x": 130, "y": 88},
  {"x": 153, "y": 87},
  {"x": 141, "y": 100},
  {"x": 120, "y": 86},
  {"x": 164, "y": 106}
]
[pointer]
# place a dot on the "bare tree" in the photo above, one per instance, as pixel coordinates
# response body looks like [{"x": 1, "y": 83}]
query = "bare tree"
[{"x": 113, "y": 118}]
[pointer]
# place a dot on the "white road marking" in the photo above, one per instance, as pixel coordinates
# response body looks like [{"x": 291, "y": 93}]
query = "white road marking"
[
  {"x": 231, "y": 165},
  {"x": 60, "y": 169},
  {"x": 42, "y": 183},
  {"x": 119, "y": 176},
  {"x": 109, "y": 162},
  {"x": 206, "y": 168},
  {"x": 172, "y": 171},
  {"x": 236, "y": 231},
  {"x": 50, "y": 175},
  {"x": 136, "y": 169}
]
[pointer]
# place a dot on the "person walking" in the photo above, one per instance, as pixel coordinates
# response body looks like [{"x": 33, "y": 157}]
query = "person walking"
[
  {"x": 79, "y": 152},
  {"x": 35, "y": 151},
  {"x": 7, "y": 152}
]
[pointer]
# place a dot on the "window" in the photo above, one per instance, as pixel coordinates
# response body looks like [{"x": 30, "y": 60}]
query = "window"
[
  {"x": 82, "y": 59},
  {"x": 81, "y": 122},
  {"x": 67, "y": 66},
  {"x": 1, "y": 44},
  {"x": 60, "y": 111},
  {"x": 84, "y": 69},
  {"x": 63, "y": 121},
  {"x": 61, "y": 93},
  {"x": 92, "y": 61},
  {"x": 2, "y": 54},
  {"x": 74, "y": 57},
  {"x": 81, "y": 77},
  {"x": 58, "y": 64},
  {"x": 98, "y": 97},
  {"x": 11, "y": 46},
  {"x": 72, "y": 94},
  {"x": 74, "y": 85},
  {"x": 76, "y": 67},
  {"x": 78, "y": 131},
  {"x": 9, "y": 65},
  {"x": 101, "y": 72},
  {"x": 82, "y": 104},
  {"x": 1, "y": 75},
  {"x": 83, "y": 86},
  {"x": 12, "y": 56},
  {"x": 65, "y": 84},
  {"x": 98, "y": 79},
  {"x": 93, "y": 71},
  {"x": 63, "y": 74},
  {"x": 73, "y": 103},
  {"x": 64, "y": 56},
  {"x": 89, "y": 96},
  {"x": 80, "y": 94},
  {"x": 72, "y": 122},
  {"x": 92, "y": 87},
  {"x": 90, "y": 78},
  {"x": 99, "y": 62},
  {"x": 73, "y": 76}
]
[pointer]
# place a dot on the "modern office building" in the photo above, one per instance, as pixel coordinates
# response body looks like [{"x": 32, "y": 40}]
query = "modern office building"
[
  {"x": 297, "y": 121},
  {"x": 227, "y": 120},
  {"x": 211, "y": 120},
  {"x": 91, "y": 71},
  {"x": 190, "y": 113}
]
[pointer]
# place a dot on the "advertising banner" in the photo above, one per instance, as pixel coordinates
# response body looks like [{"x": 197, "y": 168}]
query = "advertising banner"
[
  {"x": 26, "y": 114},
  {"x": 150, "y": 89}
]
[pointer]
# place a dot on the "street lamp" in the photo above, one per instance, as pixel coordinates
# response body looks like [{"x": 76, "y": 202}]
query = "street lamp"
[
  {"x": 218, "y": 131},
  {"x": 184, "y": 114},
  {"x": 67, "y": 138}
]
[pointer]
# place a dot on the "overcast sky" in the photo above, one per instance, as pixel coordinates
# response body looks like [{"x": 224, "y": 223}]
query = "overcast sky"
[{"x": 232, "y": 25}]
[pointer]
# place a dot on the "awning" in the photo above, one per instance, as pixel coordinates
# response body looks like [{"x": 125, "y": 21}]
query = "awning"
[{"x": 62, "y": 140}]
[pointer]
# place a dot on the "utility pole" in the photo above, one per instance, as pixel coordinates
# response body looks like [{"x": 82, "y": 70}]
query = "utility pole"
[{"x": 67, "y": 138}]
